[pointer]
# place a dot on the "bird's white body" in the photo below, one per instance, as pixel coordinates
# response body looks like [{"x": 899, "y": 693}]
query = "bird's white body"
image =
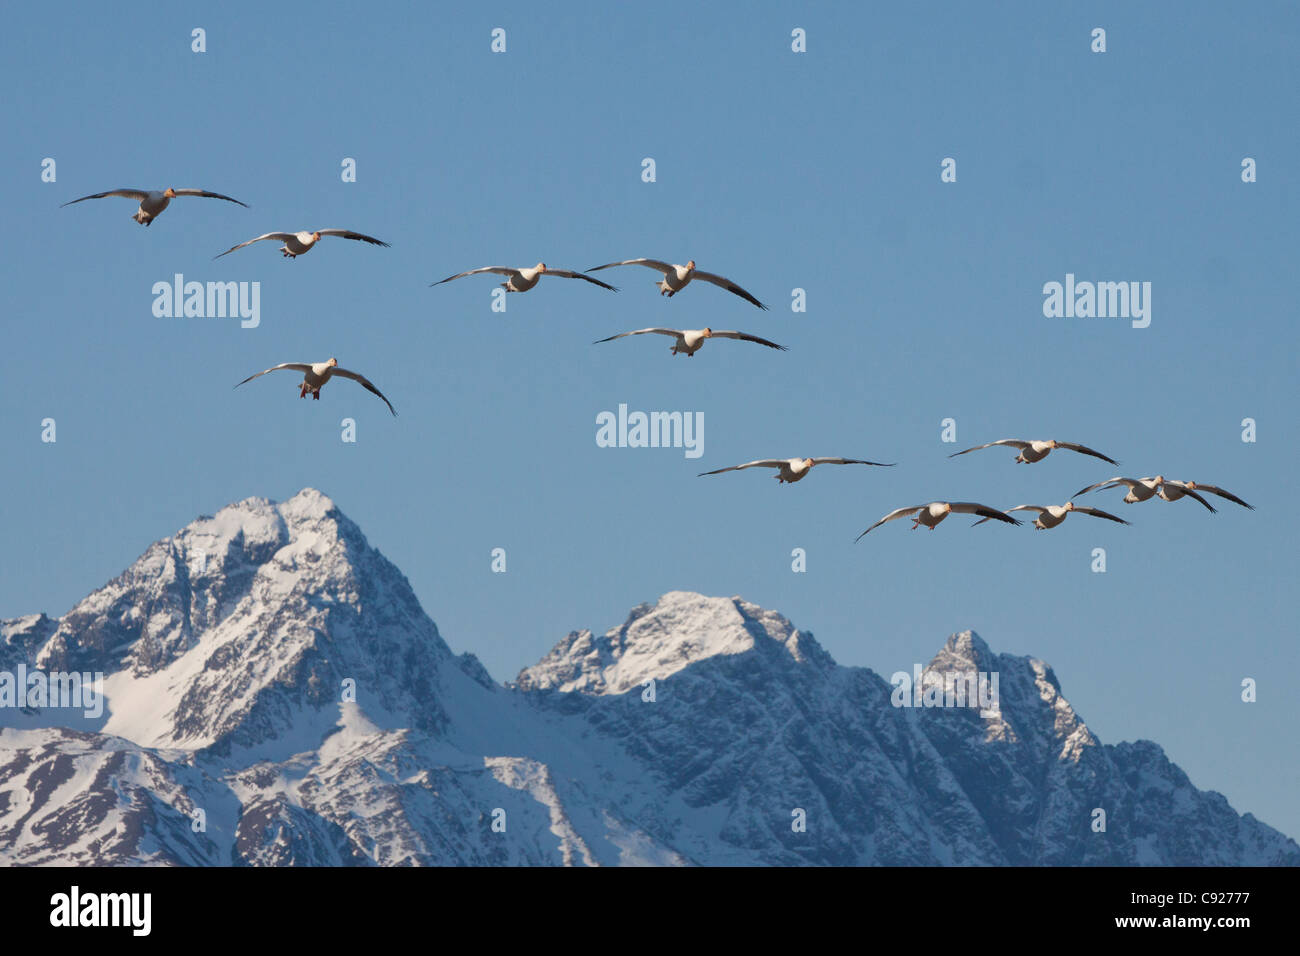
[
  {"x": 1051, "y": 516},
  {"x": 300, "y": 242},
  {"x": 793, "y": 469},
  {"x": 1144, "y": 490},
  {"x": 151, "y": 205},
  {"x": 932, "y": 514},
  {"x": 676, "y": 280},
  {"x": 691, "y": 341},
  {"x": 525, "y": 279},
  {"x": 1037, "y": 451},
  {"x": 317, "y": 376}
]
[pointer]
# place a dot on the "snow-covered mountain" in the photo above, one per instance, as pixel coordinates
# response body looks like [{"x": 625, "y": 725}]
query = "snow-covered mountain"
[{"x": 275, "y": 695}]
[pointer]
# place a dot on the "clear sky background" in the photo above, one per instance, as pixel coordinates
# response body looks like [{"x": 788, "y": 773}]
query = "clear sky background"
[{"x": 818, "y": 171}]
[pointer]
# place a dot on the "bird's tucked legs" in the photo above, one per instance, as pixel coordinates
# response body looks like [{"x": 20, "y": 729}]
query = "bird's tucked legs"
[{"x": 302, "y": 392}]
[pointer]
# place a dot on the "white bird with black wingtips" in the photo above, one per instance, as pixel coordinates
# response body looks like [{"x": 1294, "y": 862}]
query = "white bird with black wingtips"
[
  {"x": 690, "y": 341},
  {"x": 1049, "y": 516},
  {"x": 790, "y": 470},
  {"x": 677, "y": 277},
  {"x": 1032, "y": 451},
  {"x": 316, "y": 375},
  {"x": 297, "y": 243},
  {"x": 930, "y": 515},
  {"x": 523, "y": 279},
  {"x": 154, "y": 201}
]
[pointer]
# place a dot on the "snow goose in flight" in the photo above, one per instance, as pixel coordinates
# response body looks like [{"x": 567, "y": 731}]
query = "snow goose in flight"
[
  {"x": 316, "y": 375},
  {"x": 1032, "y": 451},
  {"x": 154, "y": 201},
  {"x": 930, "y": 515},
  {"x": 691, "y": 341},
  {"x": 1171, "y": 490},
  {"x": 1049, "y": 516},
  {"x": 1143, "y": 489},
  {"x": 296, "y": 243},
  {"x": 521, "y": 280},
  {"x": 677, "y": 278},
  {"x": 790, "y": 470}
]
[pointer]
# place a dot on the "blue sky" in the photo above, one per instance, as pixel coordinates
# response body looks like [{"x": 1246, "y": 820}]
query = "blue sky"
[{"x": 817, "y": 171}]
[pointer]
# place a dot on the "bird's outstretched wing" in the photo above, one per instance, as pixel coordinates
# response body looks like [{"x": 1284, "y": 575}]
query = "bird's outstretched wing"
[
  {"x": 1190, "y": 494},
  {"x": 278, "y": 236},
  {"x": 745, "y": 336},
  {"x": 208, "y": 195},
  {"x": 1108, "y": 483},
  {"x": 672, "y": 332},
  {"x": 1214, "y": 491},
  {"x": 349, "y": 234},
  {"x": 1098, "y": 513},
  {"x": 851, "y": 461},
  {"x": 499, "y": 270},
  {"x": 1013, "y": 442},
  {"x": 901, "y": 512},
  {"x": 761, "y": 463},
  {"x": 127, "y": 193},
  {"x": 726, "y": 284},
  {"x": 295, "y": 366},
  {"x": 984, "y": 511},
  {"x": 1085, "y": 450},
  {"x": 1039, "y": 508},
  {"x": 566, "y": 274},
  {"x": 366, "y": 384},
  {"x": 663, "y": 267}
]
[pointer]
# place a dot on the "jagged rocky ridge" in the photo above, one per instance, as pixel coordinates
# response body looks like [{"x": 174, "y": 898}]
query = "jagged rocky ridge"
[{"x": 697, "y": 732}]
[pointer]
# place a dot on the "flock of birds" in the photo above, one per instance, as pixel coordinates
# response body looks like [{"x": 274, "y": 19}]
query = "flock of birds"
[
  {"x": 294, "y": 244},
  {"x": 688, "y": 342},
  {"x": 790, "y": 470}
]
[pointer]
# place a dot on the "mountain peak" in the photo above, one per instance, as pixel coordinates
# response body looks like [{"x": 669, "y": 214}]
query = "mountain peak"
[
  {"x": 656, "y": 641},
  {"x": 964, "y": 651},
  {"x": 249, "y": 622}
]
